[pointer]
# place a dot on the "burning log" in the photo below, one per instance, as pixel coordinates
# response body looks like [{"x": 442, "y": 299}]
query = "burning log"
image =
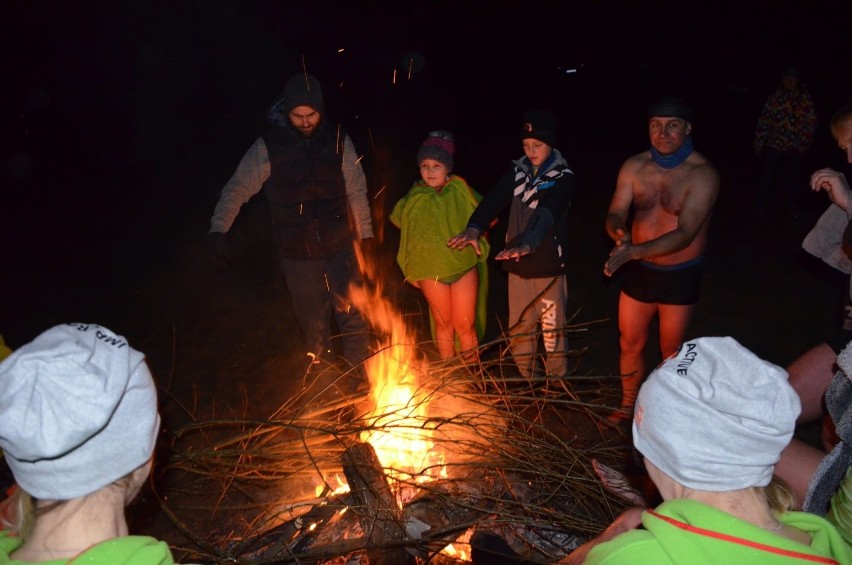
[{"x": 376, "y": 508}]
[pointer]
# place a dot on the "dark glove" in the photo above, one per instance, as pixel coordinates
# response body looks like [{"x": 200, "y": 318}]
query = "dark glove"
[
  {"x": 368, "y": 246},
  {"x": 217, "y": 249}
]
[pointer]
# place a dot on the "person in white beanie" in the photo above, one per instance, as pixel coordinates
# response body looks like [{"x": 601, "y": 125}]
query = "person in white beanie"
[
  {"x": 711, "y": 422},
  {"x": 78, "y": 426}
]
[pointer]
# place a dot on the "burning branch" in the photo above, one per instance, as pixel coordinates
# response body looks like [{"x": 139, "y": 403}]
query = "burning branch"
[{"x": 492, "y": 462}]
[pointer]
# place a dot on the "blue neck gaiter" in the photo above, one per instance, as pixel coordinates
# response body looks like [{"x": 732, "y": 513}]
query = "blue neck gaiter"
[{"x": 673, "y": 160}]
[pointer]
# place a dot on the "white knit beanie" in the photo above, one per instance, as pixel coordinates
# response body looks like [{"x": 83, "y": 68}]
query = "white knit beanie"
[
  {"x": 715, "y": 417},
  {"x": 77, "y": 412}
]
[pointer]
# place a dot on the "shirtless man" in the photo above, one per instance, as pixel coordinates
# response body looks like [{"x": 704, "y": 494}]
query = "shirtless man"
[{"x": 671, "y": 190}]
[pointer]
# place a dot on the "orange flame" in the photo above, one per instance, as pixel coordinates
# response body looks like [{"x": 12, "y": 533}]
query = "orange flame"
[
  {"x": 396, "y": 424},
  {"x": 398, "y": 429}
]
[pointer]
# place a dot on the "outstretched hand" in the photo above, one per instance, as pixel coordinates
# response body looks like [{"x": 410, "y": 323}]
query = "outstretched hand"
[
  {"x": 628, "y": 520},
  {"x": 470, "y": 236},
  {"x": 834, "y": 183},
  {"x": 621, "y": 237},
  {"x": 513, "y": 253},
  {"x": 623, "y": 252}
]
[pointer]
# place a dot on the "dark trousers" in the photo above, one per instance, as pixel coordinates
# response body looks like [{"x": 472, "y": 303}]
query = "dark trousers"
[
  {"x": 786, "y": 167},
  {"x": 320, "y": 287}
]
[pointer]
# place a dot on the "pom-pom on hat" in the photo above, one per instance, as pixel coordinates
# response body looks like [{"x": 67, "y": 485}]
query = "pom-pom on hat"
[
  {"x": 539, "y": 124},
  {"x": 670, "y": 107},
  {"x": 714, "y": 416},
  {"x": 78, "y": 411},
  {"x": 302, "y": 90},
  {"x": 440, "y": 146}
]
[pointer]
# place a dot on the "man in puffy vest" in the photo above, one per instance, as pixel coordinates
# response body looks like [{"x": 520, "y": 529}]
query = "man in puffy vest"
[{"x": 317, "y": 193}]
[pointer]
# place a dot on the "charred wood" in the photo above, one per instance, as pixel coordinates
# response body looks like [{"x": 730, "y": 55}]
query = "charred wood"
[
  {"x": 376, "y": 506},
  {"x": 297, "y": 535}
]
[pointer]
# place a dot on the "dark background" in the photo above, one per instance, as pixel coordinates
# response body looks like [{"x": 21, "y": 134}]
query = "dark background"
[{"x": 121, "y": 121}]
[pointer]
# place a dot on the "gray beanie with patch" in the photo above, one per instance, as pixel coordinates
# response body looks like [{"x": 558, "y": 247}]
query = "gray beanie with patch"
[
  {"x": 78, "y": 411},
  {"x": 715, "y": 416}
]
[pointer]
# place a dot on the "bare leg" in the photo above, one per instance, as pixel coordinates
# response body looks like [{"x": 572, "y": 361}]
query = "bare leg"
[
  {"x": 797, "y": 465},
  {"x": 463, "y": 308},
  {"x": 810, "y": 374},
  {"x": 674, "y": 320},
  {"x": 439, "y": 298},
  {"x": 634, "y": 319}
]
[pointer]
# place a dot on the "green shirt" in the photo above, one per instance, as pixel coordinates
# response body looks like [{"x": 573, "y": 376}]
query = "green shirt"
[
  {"x": 128, "y": 550},
  {"x": 687, "y": 532}
]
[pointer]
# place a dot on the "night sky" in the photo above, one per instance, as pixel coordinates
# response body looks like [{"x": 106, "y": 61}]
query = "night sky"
[{"x": 122, "y": 120}]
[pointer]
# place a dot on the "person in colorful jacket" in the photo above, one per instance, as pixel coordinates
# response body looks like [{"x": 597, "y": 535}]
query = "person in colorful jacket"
[
  {"x": 785, "y": 131},
  {"x": 454, "y": 284},
  {"x": 78, "y": 426},
  {"x": 317, "y": 192},
  {"x": 538, "y": 191},
  {"x": 711, "y": 422}
]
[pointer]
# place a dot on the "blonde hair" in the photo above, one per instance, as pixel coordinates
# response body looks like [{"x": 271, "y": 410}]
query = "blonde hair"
[
  {"x": 20, "y": 511},
  {"x": 779, "y": 495}
]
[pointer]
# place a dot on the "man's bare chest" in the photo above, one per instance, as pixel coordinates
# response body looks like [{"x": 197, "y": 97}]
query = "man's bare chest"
[{"x": 660, "y": 191}]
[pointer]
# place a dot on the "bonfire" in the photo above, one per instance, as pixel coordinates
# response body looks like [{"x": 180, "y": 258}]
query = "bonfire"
[{"x": 439, "y": 461}]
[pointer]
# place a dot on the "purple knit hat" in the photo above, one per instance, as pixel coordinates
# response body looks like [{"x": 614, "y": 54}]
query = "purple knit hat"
[{"x": 440, "y": 146}]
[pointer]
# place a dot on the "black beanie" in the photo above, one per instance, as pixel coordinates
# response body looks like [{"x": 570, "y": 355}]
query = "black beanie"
[
  {"x": 303, "y": 90},
  {"x": 670, "y": 107},
  {"x": 539, "y": 124}
]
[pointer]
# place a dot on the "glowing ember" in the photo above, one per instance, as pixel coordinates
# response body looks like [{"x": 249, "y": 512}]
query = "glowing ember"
[
  {"x": 335, "y": 483},
  {"x": 460, "y": 549}
]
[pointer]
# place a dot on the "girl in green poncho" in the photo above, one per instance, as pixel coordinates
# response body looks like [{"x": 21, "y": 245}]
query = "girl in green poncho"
[{"x": 454, "y": 284}]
